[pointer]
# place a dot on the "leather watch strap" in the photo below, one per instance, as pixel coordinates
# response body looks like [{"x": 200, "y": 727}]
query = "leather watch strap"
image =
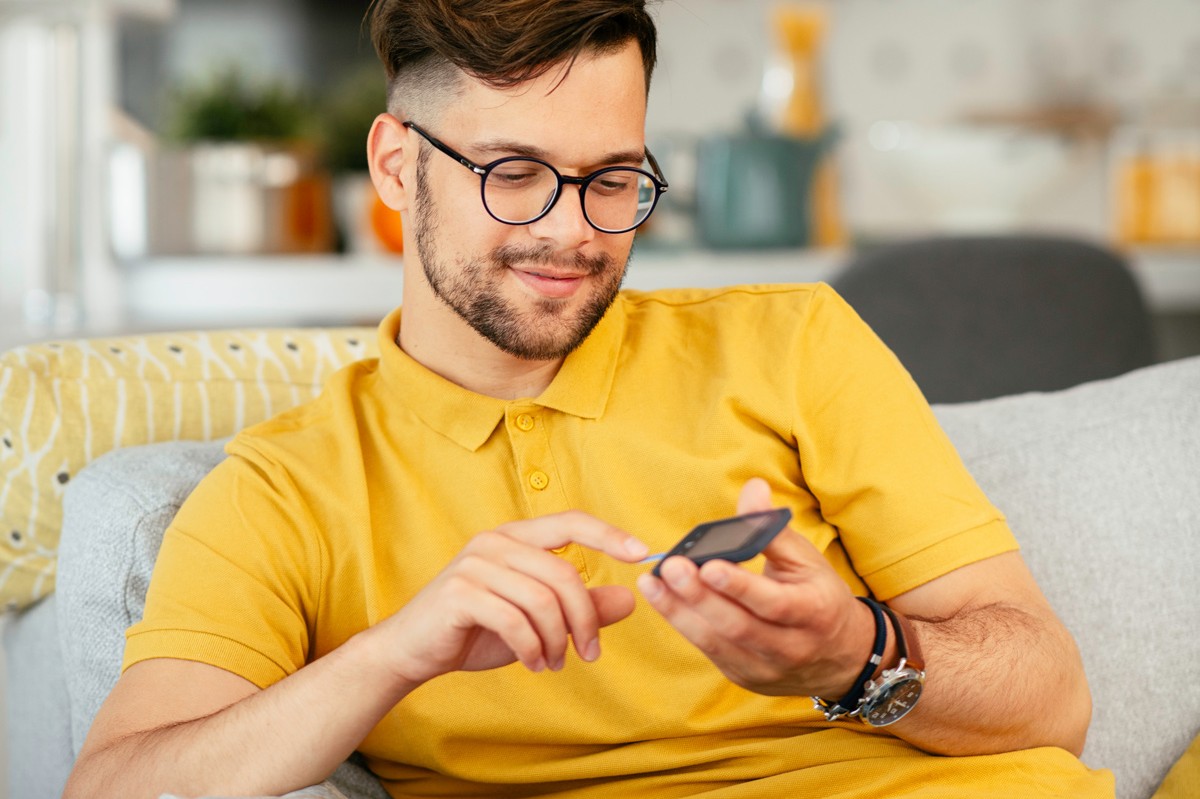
[{"x": 908, "y": 645}]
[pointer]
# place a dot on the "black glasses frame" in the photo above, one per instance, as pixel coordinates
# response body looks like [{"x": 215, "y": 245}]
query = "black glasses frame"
[{"x": 483, "y": 170}]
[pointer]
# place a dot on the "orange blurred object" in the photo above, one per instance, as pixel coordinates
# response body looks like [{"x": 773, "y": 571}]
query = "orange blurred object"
[
  {"x": 1158, "y": 196},
  {"x": 307, "y": 216},
  {"x": 386, "y": 224},
  {"x": 800, "y": 29}
]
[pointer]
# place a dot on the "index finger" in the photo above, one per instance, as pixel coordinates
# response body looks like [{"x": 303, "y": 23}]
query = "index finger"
[{"x": 576, "y": 527}]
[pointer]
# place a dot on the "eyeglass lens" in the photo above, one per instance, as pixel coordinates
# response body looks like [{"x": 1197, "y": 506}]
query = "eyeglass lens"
[{"x": 616, "y": 199}]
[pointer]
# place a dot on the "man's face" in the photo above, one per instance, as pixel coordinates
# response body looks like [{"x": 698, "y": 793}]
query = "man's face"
[{"x": 535, "y": 291}]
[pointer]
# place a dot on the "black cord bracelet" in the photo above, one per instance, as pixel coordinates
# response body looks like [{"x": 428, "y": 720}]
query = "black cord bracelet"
[
  {"x": 848, "y": 704},
  {"x": 901, "y": 644}
]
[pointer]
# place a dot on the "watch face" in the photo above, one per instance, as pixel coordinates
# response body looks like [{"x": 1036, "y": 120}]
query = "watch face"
[{"x": 894, "y": 699}]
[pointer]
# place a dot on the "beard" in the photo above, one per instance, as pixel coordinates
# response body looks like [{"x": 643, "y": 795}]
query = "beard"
[{"x": 473, "y": 288}]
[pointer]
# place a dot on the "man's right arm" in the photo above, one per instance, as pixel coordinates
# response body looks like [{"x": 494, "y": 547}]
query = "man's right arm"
[{"x": 194, "y": 729}]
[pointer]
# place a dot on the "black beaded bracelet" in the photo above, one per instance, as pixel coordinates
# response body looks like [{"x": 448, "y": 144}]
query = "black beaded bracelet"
[{"x": 848, "y": 705}]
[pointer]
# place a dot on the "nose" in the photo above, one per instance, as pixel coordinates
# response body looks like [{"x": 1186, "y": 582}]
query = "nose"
[{"x": 564, "y": 226}]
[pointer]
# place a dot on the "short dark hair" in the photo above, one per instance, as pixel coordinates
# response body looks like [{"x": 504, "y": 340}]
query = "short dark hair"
[{"x": 425, "y": 44}]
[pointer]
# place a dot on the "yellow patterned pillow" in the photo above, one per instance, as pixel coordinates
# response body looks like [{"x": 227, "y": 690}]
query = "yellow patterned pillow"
[{"x": 64, "y": 404}]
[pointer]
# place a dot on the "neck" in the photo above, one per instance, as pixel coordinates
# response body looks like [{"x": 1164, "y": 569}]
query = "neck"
[{"x": 462, "y": 356}]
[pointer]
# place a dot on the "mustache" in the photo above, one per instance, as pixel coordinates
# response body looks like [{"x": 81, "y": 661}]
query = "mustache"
[{"x": 509, "y": 255}]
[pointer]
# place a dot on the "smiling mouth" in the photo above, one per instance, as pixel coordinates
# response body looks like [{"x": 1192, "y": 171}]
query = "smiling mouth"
[
  {"x": 549, "y": 285},
  {"x": 553, "y": 277}
]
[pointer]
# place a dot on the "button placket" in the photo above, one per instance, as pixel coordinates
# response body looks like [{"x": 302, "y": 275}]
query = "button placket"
[
  {"x": 534, "y": 461},
  {"x": 536, "y": 471}
]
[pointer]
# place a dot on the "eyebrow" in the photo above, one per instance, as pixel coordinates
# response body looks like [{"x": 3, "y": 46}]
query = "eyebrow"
[{"x": 502, "y": 147}]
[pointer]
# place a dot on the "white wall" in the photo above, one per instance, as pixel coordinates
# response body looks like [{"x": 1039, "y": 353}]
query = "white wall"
[
  {"x": 934, "y": 61},
  {"x": 24, "y": 109}
]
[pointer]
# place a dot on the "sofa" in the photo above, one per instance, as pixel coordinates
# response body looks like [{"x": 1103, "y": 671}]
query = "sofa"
[{"x": 101, "y": 440}]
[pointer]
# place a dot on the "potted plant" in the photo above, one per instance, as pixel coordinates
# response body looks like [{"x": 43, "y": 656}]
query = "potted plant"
[{"x": 241, "y": 172}]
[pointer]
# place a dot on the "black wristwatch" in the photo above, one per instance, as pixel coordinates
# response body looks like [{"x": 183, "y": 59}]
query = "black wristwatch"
[{"x": 895, "y": 693}]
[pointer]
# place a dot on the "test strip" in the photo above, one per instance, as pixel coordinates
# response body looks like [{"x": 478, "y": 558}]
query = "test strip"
[{"x": 653, "y": 558}]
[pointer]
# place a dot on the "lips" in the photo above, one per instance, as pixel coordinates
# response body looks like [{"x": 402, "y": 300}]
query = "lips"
[
  {"x": 550, "y": 275},
  {"x": 546, "y": 263},
  {"x": 547, "y": 284}
]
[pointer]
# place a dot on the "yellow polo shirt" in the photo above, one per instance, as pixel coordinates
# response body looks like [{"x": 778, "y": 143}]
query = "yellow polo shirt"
[{"x": 329, "y": 518}]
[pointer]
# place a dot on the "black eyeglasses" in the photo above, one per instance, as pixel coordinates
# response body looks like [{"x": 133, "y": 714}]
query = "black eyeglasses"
[{"x": 519, "y": 190}]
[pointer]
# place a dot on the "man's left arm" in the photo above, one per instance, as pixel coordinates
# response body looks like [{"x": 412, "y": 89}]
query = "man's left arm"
[
  {"x": 1008, "y": 674},
  {"x": 1002, "y": 672}
]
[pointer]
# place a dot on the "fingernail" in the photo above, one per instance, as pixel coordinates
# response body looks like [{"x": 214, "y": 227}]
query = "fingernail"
[
  {"x": 636, "y": 548},
  {"x": 592, "y": 650},
  {"x": 649, "y": 586},
  {"x": 538, "y": 665},
  {"x": 716, "y": 576},
  {"x": 674, "y": 574},
  {"x": 557, "y": 665}
]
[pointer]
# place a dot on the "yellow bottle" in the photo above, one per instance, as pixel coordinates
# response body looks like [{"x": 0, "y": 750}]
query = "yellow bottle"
[{"x": 799, "y": 31}]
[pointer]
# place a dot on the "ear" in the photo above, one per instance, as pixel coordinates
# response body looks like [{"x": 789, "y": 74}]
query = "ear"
[{"x": 387, "y": 145}]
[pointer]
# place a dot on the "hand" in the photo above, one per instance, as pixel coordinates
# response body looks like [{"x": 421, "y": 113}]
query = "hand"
[
  {"x": 794, "y": 630},
  {"x": 506, "y": 598}
]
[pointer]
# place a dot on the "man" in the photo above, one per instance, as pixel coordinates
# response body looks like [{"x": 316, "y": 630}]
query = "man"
[{"x": 419, "y": 565}]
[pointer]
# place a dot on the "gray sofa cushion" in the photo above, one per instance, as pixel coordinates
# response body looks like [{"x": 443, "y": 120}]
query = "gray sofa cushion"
[
  {"x": 1098, "y": 483},
  {"x": 114, "y": 515},
  {"x": 39, "y": 722}
]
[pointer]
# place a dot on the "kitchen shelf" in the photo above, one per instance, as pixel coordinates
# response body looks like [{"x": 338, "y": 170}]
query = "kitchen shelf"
[
  {"x": 201, "y": 292},
  {"x": 298, "y": 290},
  {"x": 1169, "y": 277}
]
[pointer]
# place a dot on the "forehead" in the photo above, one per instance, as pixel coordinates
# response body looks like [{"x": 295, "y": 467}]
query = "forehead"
[{"x": 599, "y": 107}]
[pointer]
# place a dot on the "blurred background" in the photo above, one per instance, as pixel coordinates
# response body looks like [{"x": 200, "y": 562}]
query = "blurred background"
[
  {"x": 177, "y": 164},
  {"x": 199, "y": 163}
]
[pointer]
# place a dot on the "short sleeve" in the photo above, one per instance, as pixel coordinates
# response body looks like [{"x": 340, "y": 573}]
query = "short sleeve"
[
  {"x": 236, "y": 580},
  {"x": 872, "y": 453}
]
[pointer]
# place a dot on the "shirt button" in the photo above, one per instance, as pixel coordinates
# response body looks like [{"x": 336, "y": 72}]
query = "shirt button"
[
  {"x": 525, "y": 422},
  {"x": 539, "y": 480}
]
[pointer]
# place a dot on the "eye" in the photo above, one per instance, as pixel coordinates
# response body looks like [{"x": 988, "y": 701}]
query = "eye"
[
  {"x": 515, "y": 175},
  {"x": 615, "y": 182}
]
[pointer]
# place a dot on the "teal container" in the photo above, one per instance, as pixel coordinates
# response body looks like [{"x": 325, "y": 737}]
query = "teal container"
[{"x": 754, "y": 189}]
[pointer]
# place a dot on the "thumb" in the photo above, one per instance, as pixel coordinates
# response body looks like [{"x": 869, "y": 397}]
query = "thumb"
[
  {"x": 612, "y": 603},
  {"x": 755, "y": 496}
]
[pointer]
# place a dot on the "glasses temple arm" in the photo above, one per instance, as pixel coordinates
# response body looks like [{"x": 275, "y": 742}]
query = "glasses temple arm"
[
  {"x": 459, "y": 157},
  {"x": 657, "y": 170}
]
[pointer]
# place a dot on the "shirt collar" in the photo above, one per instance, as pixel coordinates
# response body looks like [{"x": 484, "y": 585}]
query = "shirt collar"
[
  {"x": 582, "y": 384},
  {"x": 580, "y": 388}
]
